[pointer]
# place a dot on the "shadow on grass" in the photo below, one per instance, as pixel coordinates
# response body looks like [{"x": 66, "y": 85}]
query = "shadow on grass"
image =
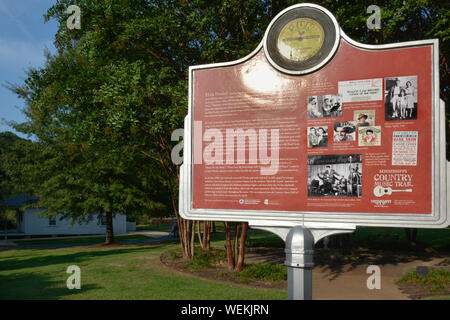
[
  {"x": 34, "y": 286},
  {"x": 41, "y": 260}
]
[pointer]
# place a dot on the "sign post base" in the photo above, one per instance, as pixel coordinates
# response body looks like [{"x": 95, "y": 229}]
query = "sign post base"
[
  {"x": 299, "y": 262},
  {"x": 299, "y": 283},
  {"x": 299, "y": 249}
]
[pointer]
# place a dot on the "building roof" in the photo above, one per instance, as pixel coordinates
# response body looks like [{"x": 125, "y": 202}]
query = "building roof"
[{"x": 19, "y": 200}]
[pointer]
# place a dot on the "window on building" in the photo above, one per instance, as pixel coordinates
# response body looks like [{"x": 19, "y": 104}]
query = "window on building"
[{"x": 52, "y": 221}]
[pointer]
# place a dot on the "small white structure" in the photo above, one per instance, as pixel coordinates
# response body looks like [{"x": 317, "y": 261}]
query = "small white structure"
[{"x": 30, "y": 223}]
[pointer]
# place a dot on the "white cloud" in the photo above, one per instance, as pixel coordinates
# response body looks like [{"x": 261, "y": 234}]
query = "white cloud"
[
  {"x": 21, "y": 54},
  {"x": 14, "y": 13}
]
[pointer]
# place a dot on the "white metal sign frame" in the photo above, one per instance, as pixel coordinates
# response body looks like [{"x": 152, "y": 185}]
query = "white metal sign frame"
[{"x": 439, "y": 217}]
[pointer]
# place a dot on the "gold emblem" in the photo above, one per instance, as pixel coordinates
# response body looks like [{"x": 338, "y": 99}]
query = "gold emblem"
[{"x": 300, "y": 39}]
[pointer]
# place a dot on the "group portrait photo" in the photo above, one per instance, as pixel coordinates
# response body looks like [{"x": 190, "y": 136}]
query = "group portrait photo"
[{"x": 401, "y": 98}]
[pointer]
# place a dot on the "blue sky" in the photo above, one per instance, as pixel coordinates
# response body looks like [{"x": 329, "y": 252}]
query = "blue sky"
[{"x": 23, "y": 39}]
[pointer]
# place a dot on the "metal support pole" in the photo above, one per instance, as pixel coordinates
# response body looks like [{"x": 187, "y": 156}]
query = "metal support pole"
[{"x": 299, "y": 261}]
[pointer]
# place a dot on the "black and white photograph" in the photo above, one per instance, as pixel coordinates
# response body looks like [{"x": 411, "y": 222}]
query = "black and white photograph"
[
  {"x": 344, "y": 131},
  {"x": 401, "y": 98},
  {"x": 335, "y": 175},
  {"x": 317, "y": 137},
  {"x": 325, "y": 106}
]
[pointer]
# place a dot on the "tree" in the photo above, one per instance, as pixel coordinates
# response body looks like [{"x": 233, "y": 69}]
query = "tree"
[
  {"x": 236, "y": 248},
  {"x": 120, "y": 82},
  {"x": 7, "y": 141},
  {"x": 141, "y": 51},
  {"x": 78, "y": 171},
  {"x": 82, "y": 184}
]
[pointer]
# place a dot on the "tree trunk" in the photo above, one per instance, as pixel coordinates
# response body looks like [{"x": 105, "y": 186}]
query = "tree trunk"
[
  {"x": 236, "y": 248},
  {"x": 205, "y": 239},
  {"x": 207, "y": 235},
  {"x": 192, "y": 238},
  {"x": 240, "y": 259},
  {"x": 200, "y": 238},
  {"x": 236, "y": 242},
  {"x": 229, "y": 247},
  {"x": 109, "y": 228},
  {"x": 188, "y": 235}
]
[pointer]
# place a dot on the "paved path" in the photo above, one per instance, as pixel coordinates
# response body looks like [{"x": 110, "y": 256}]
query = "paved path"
[
  {"x": 7, "y": 243},
  {"x": 352, "y": 284},
  {"x": 348, "y": 281}
]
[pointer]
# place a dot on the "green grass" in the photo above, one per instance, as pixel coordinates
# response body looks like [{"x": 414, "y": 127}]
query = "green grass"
[
  {"x": 126, "y": 272},
  {"x": 135, "y": 271},
  {"x": 155, "y": 227},
  {"x": 168, "y": 226},
  {"x": 367, "y": 238},
  {"x": 395, "y": 239},
  {"x": 99, "y": 239},
  {"x": 255, "y": 238},
  {"x": 437, "y": 298},
  {"x": 363, "y": 237},
  {"x": 437, "y": 279}
]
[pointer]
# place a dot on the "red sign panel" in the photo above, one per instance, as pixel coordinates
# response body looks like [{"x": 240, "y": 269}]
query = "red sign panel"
[{"x": 354, "y": 136}]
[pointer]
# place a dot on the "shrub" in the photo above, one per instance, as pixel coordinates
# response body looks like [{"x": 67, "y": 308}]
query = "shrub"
[
  {"x": 438, "y": 279},
  {"x": 206, "y": 259},
  {"x": 268, "y": 272}
]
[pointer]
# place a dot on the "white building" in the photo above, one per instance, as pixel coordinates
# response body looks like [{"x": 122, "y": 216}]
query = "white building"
[{"x": 29, "y": 223}]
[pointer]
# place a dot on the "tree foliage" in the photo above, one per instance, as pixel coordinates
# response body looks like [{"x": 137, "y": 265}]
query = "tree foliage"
[
  {"x": 7, "y": 143},
  {"x": 103, "y": 108}
]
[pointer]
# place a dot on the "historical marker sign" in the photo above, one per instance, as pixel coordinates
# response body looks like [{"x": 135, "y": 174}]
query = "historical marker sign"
[{"x": 315, "y": 129}]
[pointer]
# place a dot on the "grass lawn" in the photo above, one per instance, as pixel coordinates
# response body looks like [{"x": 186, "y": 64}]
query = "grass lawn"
[
  {"x": 438, "y": 298},
  {"x": 125, "y": 272},
  {"x": 395, "y": 239},
  {"x": 61, "y": 240},
  {"x": 154, "y": 227},
  {"x": 168, "y": 227},
  {"x": 135, "y": 271}
]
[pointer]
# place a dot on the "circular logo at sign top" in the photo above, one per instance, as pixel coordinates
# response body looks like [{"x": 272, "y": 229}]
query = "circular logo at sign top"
[{"x": 301, "y": 39}]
